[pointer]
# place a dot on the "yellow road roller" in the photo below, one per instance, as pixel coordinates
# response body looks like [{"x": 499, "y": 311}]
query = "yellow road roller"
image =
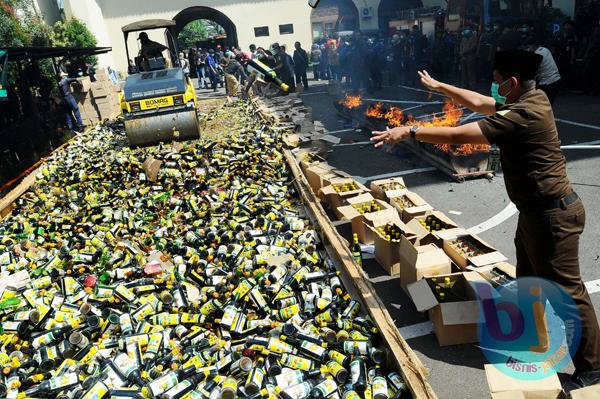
[{"x": 158, "y": 100}]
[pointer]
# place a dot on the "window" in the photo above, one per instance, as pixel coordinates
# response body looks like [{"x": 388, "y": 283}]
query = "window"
[
  {"x": 261, "y": 31},
  {"x": 317, "y": 28},
  {"x": 286, "y": 29}
]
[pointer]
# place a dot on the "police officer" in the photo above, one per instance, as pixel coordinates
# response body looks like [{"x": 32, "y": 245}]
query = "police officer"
[{"x": 552, "y": 216}]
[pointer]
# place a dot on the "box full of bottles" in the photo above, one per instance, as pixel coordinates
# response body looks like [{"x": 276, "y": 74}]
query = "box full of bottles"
[
  {"x": 466, "y": 249},
  {"x": 420, "y": 261},
  {"x": 387, "y": 238},
  {"x": 364, "y": 209},
  {"x": 498, "y": 273},
  {"x": 339, "y": 190},
  {"x": 452, "y": 303},
  {"x": 410, "y": 205},
  {"x": 428, "y": 226},
  {"x": 386, "y": 189}
]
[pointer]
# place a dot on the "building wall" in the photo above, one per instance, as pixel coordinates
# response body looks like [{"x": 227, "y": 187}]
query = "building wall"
[{"x": 48, "y": 10}]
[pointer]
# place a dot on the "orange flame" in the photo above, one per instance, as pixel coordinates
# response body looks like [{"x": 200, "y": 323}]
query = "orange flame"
[
  {"x": 451, "y": 117},
  {"x": 351, "y": 102},
  {"x": 376, "y": 110},
  {"x": 394, "y": 116}
]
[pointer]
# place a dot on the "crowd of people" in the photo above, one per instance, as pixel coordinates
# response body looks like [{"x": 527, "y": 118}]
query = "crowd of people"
[{"x": 364, "y": 62}]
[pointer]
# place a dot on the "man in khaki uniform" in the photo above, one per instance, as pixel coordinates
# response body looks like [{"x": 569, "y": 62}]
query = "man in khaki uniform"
[{"x": 551, "y": 216}]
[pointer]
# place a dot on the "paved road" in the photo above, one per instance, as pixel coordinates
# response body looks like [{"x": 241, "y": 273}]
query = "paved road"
[{"x": 457, "y": 371}]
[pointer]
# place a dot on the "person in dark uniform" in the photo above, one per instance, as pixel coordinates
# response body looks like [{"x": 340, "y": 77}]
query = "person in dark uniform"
[
  {"x": 69, "y": 104},
  {"x": 552, "y": 216}
]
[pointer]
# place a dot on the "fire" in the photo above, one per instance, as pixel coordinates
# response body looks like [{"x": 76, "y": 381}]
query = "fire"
[
  {"x": 376, "y": 110},
  {"x": 449, "y": 117},
  {"x": 351, "y": 102},
  {"x": 462, "y": 149},
  {"x": 394, "y": 116}
]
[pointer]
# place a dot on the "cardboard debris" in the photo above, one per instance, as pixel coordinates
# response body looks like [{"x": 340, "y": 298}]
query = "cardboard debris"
[{"x": 151, "y": 167}]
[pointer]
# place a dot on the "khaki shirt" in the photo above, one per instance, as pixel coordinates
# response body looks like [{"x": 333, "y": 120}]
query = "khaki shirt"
[{"x": 533, "y": 165}]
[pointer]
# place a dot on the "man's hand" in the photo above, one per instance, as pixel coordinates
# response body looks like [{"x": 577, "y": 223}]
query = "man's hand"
[
  {"x": 391, "y": 136},
  {"x": 429, "y": 82}
]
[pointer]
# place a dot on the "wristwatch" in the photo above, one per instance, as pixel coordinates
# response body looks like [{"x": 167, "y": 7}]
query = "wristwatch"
[{"x": 413, "y": 131}]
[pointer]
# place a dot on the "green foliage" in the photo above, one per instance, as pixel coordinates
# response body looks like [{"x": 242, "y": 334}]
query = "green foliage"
[
  {"x": 74, "y": 33},
  {"x": 12, "y": 28},
  {"x": 191, "y": 33}
]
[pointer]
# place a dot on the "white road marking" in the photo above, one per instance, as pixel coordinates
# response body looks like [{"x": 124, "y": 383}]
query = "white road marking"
[
  {"x": 580, "y": 147},
  {"x": 593, "y": 286},
  {"x": 568, "y": 122},
  {"x": 382, "y": 279},
  {"x": 342, "y": 131},
  {"x": 363, "y": 179},
  {"x": 416, "y": 330},
  {"x": 495, "y": 220},
  {"x": 351, "y": 144},
  {"x": 593, "y": 142},
  {"x": 455, "y": 212},
  {"x": 422, "y": 91},
  {"x": 403, "y": 101},
  {"x": 312, "y": 94}
]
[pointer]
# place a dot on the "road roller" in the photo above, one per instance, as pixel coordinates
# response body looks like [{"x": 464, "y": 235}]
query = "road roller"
[{"x": 158, "y": 100}]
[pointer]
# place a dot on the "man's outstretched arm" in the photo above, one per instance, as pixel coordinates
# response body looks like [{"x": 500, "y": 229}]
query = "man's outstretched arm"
[{"x": 470, "y": 99}]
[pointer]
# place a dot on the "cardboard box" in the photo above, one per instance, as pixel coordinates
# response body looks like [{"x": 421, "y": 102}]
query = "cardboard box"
[
  {"x": 503, "y": 386},
  {"x": 431, "y": 237},
  {"x": 387, "y": 253},
  {"x": 592, "y": 392},
  {"x": 308, "y": 158},
  {"x": 101, "y": 76},
  {"x": 497, "y": 273},
  {"x": 84, "y": 85},
  {"x": 329, "y": 195},
  {"x": 455, "y": 320},
  {"x": 478, "y": 253},
  {"x": 388, "y": 188},
  {"x": 410, "y": 205},
  {"x": 319, "y": 175},
  {"x": 420, "y": 261},
  {"x": 349, "y": 212},
  {"x": 98, "y": 90}
]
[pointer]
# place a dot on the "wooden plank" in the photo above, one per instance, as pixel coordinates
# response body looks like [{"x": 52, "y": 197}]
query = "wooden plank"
[
  {"x": 411, "y": 368},
  {"x": 7, "y": 202}
]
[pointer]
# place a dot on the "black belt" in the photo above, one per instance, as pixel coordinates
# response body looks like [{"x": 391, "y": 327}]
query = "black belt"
[
  {"x": 559, "y": 203},
  {"x": 548, "y": 204}
]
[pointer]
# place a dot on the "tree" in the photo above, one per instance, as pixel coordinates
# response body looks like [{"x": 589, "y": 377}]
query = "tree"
[
  {"x": 74, "y": 33},
  {"x": 192, "y": 33}
]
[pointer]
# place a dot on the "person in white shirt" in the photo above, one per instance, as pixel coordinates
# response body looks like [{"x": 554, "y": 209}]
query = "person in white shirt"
[{"x": 548, "y": 76}]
